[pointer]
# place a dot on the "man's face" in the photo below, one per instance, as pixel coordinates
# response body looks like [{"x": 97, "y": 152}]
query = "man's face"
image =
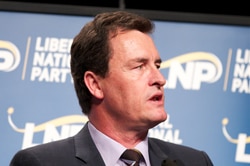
[{"x": 133, "y": 89}]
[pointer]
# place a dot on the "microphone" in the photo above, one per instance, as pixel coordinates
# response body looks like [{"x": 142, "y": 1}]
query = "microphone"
[{"x": 169, "y": 162}]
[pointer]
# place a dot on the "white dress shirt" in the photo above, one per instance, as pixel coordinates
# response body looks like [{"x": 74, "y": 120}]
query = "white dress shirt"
[{"x": 111, "y": 150}]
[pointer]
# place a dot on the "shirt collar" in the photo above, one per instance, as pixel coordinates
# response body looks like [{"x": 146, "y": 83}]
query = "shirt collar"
[{"x": 111, "y": 150}]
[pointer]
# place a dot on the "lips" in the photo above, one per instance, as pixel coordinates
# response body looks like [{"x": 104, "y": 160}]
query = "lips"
[{"x": 157, "y": 97}]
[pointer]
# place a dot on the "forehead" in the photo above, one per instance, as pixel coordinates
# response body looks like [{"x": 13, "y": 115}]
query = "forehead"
[{"x": 133, "y": 43}]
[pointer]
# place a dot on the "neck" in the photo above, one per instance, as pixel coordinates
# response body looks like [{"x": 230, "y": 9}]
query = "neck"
[{"x": 118, "y": 130}]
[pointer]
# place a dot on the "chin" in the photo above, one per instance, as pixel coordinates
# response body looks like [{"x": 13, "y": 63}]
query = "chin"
[
  {"x": 157, "y": 121},
  {"x": 153, "y": 125},
  {"x": 160, "y": 116}
]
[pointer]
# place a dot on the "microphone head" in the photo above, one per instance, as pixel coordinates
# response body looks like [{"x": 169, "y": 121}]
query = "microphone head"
[{"x": 169, "y": 162}]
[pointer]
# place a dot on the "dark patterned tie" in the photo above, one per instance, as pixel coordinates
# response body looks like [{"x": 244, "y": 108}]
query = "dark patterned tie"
[{"x": 131, "y": 157}]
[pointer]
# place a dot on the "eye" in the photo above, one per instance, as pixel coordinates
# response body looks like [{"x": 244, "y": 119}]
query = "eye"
[
  {"x": 158, "y": 65},
  {"x": 139, "y": 67}
]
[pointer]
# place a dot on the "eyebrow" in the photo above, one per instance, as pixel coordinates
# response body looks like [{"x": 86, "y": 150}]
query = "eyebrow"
[
  {"x": 158, "y": 60},
  {"x": 145, "y": 60}
]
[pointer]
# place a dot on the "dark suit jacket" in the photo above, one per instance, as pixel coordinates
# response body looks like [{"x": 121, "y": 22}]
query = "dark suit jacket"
[{"x": 80, "y": 150}]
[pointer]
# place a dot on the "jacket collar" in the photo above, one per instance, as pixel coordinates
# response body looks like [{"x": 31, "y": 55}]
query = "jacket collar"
[
  {"x": 86, "y": 150},
  {"x": 156, "y": 155}
]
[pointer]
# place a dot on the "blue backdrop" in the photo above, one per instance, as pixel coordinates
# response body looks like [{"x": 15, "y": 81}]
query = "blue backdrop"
[{"x": 207, "y": 68}]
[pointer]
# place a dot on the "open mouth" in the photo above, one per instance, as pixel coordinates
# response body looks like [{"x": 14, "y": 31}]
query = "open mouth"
[{"x": 157, "y": 98}]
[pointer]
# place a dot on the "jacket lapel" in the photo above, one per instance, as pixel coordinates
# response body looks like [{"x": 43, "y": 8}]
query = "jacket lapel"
[
  {"x": 86, "y": 149},
  {"x": 156, "y": 155}
]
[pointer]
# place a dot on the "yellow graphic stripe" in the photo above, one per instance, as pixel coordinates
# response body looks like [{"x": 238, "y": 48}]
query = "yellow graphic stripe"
[
  {"x": 55, "y": 122},
  {"x": 228, "y": 137}
]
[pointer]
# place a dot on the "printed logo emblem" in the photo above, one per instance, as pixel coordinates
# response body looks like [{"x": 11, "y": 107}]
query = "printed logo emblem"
[
  {"x": 241, "y": 142},
  {"x": 200, "y": 67},
  {"x": 9, "y": 56},
  {"x": 70, "y": 125}
]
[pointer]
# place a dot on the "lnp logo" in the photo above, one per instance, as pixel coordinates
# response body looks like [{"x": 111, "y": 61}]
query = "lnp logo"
[
  {"x": 200, "y": 67},
  {"x": 49, "y": 128},
  {"x": 241, "y": 142},
  {"x": 9, "y": 56}
]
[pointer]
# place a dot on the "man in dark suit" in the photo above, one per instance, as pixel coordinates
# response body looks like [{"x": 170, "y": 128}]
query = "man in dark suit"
[{"x": 115, "y": 67}]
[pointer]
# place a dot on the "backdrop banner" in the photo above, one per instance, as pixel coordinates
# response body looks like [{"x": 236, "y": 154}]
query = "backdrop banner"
[{"x": 207, "y": 68}]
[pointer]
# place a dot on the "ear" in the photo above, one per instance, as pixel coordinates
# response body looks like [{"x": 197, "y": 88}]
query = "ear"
[{"x": 92, "y": 82}]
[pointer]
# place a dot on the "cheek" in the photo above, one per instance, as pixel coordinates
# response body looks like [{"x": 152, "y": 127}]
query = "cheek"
[
  {"x": 115, "y": 86},
  {"x": 125, "y": 87},
  {"x": 128, "y": 94}
]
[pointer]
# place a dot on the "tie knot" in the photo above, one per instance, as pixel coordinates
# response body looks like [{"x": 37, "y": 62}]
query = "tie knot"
[{"x": 131, "y": 157}]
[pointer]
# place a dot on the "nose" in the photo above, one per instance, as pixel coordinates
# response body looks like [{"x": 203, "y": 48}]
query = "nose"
[{"x": 157, "y": 78}]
